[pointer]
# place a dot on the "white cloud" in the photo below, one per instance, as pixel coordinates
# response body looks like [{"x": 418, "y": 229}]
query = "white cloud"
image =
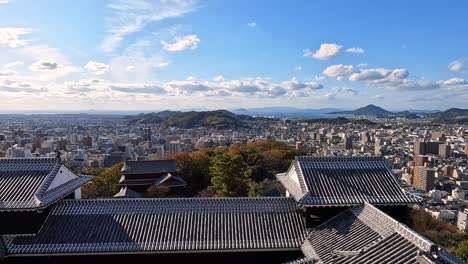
[
  {"x": 163, "y": 64},
  {"x": 12, "y": 64},
  {"x": 339, "y": 70},
  {"x": 15, "y": 86},
  {"x": 325, "y": 52},
  {"x": 319, "y": 78},
  {"x": 355, "y": 50},
  {"x": 404, "y": 84},
  {"x": 51, "y": 66},
  {"x": 362, "y": 65},
  {"x": 329, "y": 96},
  {"x": 252, "y": 24},
  {"x": 348, "y": 90},
  {"x": 131, "y": 17},
  {"x": 182, "y": 43},
  {"x": 43, "y": 52},
  {"x": 11, "y": 37},
  {"x": 458, "y": 66},
  {"x": 97, "y": 68},
  {"x": 7, "y": 73},
  {"x": 185, "y": 87},
  {"x": 4, "y": 2},
  {"x": 378, "y": 97},
  {"x": 137, "y": 63},
  {"x": 218, "y": 78},
  {"x": 379, "y": 73},
  {"x": 294, "y": 84},
  {"x": 138, "y": 88},
  {"x": 298, "y": 68},
  {"x": 453, "y": 81}
]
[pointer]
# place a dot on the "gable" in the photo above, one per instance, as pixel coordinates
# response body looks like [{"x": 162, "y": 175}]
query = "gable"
[{"x": 63, "y": 175}]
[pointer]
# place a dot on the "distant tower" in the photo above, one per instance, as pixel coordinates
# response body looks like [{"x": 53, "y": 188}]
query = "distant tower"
[{"x": 116, "y": 130}]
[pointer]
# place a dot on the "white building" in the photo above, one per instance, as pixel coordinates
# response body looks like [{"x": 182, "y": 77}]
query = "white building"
[{"x": 462, "y": 217}]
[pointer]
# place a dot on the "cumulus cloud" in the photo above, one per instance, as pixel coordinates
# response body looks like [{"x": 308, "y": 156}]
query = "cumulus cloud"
[
  {"x": 138, "y": 88},
  {"x": 12, "y": 64},
  {"x": 97, "y": 68},
  {"x": 182, "y": 43},
  {"x": 15, "y": 86},
  {"x": 252, "y": 24},
  {"x": 453, "y": 81},
  {"x": 185, "y": 87},
  {"x": 51, "y": 66},
  {"x": 355, "y": 50},
  {"x": 458, "y": 66},
  {"x": 325, "y": 52},
  {"x": 339, "y": 70},
  {"x": 11, "y": 36},
  {"x": 379, "y": 73},
  {"x": 131, "y": 17},
  {"x": 298, "y": 68},
  {"x": 404, "y": 84},
  {"x": 378, "y": 97},
  {"x": 218, "y": 78},
  {"x": 4, "y": 2},
  {"x": 362, "y": 65},
  {"x": 294, "y": 84}
]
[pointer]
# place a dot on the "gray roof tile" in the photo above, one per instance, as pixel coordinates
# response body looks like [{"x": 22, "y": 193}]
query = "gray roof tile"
[
  {"x": 24, "y": 183},
  {"x": 165, "y": 225}
]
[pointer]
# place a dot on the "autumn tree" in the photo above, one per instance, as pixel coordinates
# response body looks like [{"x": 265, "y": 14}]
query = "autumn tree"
[
  {"x": 230, "y": 175},
  {"x": 105, "y": 184}
]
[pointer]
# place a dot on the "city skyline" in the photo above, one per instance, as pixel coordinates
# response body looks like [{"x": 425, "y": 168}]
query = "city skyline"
[{"x": 112, "y": 55}]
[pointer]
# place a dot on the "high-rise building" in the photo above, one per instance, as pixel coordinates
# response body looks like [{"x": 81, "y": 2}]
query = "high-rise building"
[
  {"x": 421, "y": 160},
  {"x": 348, "y": 142},
  {"x": 444, "y": 151},
  {"x": 73, "y": 138},
  {"x": 174, "y": 147},
  {"x": 419, "y": 148},
  {"x": 466, "y": 148},
  {"x": 147, "y": 136},
  {"x": 433, "y": 147},
  {"x": 423, "y": 178}
]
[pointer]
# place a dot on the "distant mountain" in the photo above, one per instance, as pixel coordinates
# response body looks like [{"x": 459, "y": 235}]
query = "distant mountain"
[
  {"x": 376, "y": 111},
  {"x": 369, "y": 110},
  {"x": 192, "y": 119},
  {"x": 283, "y": 111},
  {"x": 452, "y": 115}
]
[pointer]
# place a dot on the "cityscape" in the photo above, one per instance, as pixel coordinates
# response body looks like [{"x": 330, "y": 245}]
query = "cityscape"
[{"x": 211, "y": 131}]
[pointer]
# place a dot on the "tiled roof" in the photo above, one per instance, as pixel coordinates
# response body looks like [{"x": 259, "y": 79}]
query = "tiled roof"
[
  {"x": 367, "y": 235},
  {"x": 343, "y": 181},
  {"x": 24, "y": 183},
  {"x": 165, "y": 225},
  {"x": 149, "y": 166},
  {"x": 126, "y": 192}
]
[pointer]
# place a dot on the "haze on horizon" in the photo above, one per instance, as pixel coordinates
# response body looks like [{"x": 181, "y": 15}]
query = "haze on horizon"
[{"x": 178, "y": 54}]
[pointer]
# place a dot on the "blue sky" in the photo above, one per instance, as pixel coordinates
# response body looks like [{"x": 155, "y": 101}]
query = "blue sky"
[{"x": 177, "y": 54}]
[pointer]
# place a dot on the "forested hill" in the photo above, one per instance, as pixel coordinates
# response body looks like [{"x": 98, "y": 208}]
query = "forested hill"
[{"x": 192, "y": 119}]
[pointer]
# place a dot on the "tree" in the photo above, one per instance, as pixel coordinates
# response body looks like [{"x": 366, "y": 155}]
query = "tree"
[
  {"x": 105, "y": 184},
  {"x": 461, "y": 251},
  {"x": 230, "y": 175}
]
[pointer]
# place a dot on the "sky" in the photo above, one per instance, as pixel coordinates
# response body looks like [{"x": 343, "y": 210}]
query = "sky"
[{"x": 228, "y": 54}]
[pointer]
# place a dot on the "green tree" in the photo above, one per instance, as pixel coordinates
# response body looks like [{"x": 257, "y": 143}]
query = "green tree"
[
  {"x": 105, "y": 184},
  {"x": 230, "y": 175},
  {"x": 461, "y": 251}
]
